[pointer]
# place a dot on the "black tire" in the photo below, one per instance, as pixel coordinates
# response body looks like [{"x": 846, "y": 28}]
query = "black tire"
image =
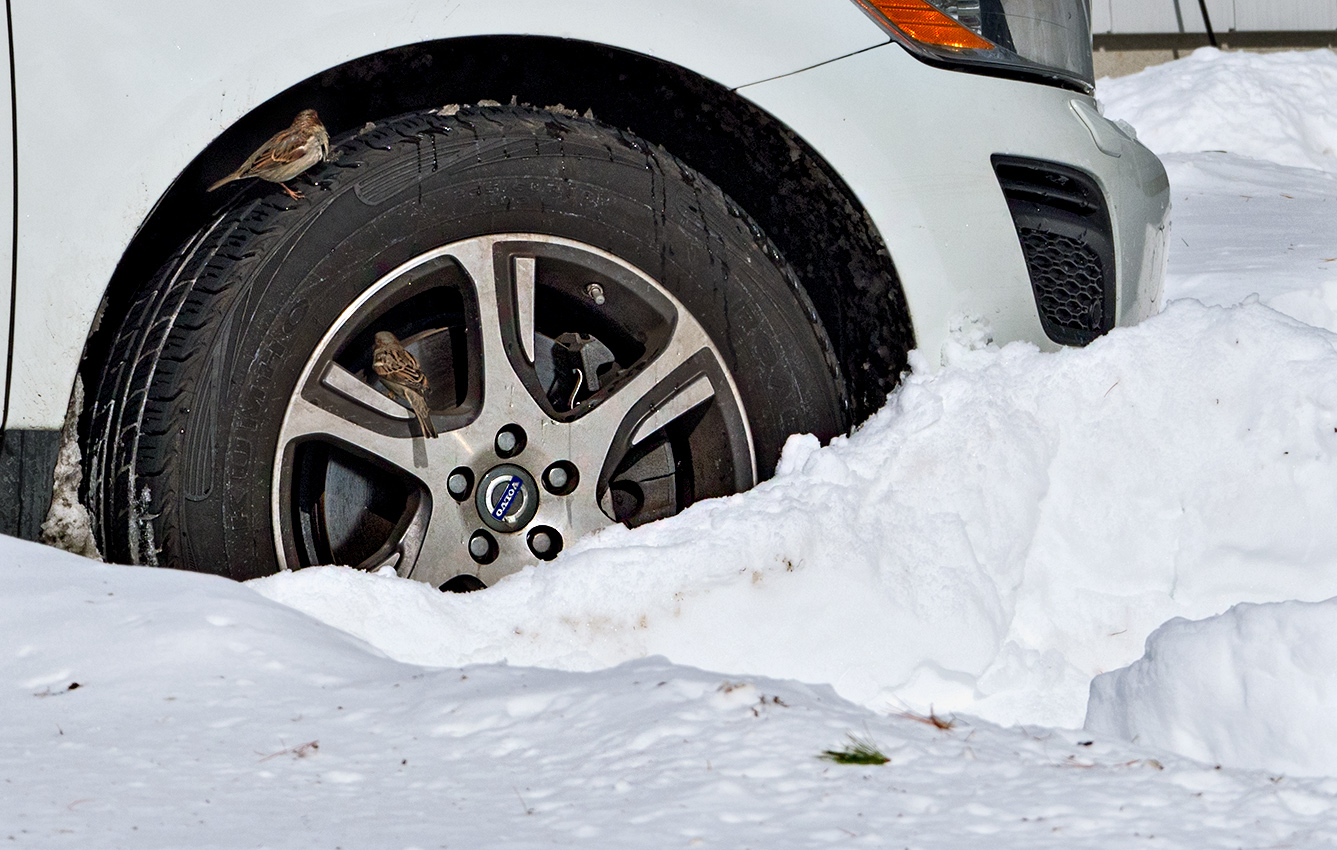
[{"x": 186, "y": 414}]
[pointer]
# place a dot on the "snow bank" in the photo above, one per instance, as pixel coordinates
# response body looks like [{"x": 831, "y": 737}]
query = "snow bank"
[
  {"x": 68, "y": 525},
  {"x": 1254, "y": 222},
  {"x": 154, "y": 709},
  {"x": 1000, "y": 533},
  {"x": 1244, "y": 227},
  {"x": 1254, "y": 687},
  {"x": 1253, "y": 215},
  {"x": 1280, "y": 107}
]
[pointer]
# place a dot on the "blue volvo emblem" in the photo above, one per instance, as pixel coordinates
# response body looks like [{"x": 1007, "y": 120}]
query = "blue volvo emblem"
[{"x": 507, "y": 497}]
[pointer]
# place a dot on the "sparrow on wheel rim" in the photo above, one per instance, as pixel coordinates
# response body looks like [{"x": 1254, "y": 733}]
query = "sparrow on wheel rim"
[{"x": 399, "y": 370}]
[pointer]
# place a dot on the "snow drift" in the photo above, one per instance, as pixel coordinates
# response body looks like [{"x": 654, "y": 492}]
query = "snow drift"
[
  {"x": 1251, "y": 230},
  {"x": 1254, "y": 687},
  {"x": 1280, "y": 107},
  {"x": 1001, "y": 532}
]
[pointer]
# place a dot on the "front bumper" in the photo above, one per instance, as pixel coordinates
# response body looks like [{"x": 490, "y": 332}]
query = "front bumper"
[{"x": 915, "y": 143}]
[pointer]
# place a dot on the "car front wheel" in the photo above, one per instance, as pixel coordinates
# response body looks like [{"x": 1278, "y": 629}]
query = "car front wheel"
[{"x": 606, "y": 338}]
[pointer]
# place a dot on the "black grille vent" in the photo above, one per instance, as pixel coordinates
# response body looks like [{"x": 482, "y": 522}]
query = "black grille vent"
[{"x": 1064, "y": 228}]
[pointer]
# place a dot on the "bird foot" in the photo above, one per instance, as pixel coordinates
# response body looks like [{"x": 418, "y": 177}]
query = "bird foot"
[{"x": 292, "y": 193}]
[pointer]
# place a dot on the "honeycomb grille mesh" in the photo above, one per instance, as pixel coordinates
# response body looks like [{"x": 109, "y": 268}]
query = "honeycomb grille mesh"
[
  {"x": 1067, "y": 241},
  {"x": 1069, "y": 281}
]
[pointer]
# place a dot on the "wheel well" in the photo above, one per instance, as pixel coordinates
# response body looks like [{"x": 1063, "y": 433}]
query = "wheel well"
[{"x": 801, "y": 203}]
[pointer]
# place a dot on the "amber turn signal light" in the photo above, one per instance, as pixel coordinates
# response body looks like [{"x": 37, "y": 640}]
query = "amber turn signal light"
[{"x": 926, "y": 24}]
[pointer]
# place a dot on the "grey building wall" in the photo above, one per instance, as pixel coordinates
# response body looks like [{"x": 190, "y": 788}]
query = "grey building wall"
[{"x": 1120, "y": 17}]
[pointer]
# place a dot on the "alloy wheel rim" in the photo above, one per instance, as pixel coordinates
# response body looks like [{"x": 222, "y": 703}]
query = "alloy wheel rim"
[{"x": 559, "y": 373}]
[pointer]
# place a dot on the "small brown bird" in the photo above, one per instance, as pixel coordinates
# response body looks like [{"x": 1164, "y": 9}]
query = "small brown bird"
[
  {"x": 400, "y": 371},
  {"x": 287, "y": 154}
]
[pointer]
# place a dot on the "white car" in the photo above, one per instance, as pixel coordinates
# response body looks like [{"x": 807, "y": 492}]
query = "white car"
[{"x": 631, "y": 247}]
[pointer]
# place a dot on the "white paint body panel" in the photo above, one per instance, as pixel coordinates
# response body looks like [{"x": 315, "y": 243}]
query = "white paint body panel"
[
  {"x": 115, "y": 99},
  {"x": 917, "y": 154},
  {"x": 155, "y": 82}
]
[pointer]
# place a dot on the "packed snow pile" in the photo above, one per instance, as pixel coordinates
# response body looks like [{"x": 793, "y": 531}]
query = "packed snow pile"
[
  {"x": 155, "y": 709},
  {"x": 1250, "y": 144},
  {"x": 1001, "y": 532},
  {"x": 1254, "y": 687},
  {"x": 1246, "y": 229},
  {"x": 1280, "y": 107}
]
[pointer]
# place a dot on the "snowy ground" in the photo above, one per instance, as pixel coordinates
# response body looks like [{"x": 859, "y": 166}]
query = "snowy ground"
[
  {"x": 1006, "y": 530},
  {"x": 208, "y": 716}
]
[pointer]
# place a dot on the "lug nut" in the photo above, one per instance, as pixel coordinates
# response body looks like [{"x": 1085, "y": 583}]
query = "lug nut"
[
  {"x": 560, "y": 478},
  {"x": 541, "y": 543},
  {"x": 459, "y": 484},
  {"x": 510, "y": 441},
  {"x": 545, "y": 542},
  {"x": 482, "y": 547},
  {"x": 478, "y": 547},
  {"x": 596, "y": 293}
]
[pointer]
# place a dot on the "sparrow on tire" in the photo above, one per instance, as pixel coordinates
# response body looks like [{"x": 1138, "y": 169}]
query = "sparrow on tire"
[{"x": 287, "y": 154}]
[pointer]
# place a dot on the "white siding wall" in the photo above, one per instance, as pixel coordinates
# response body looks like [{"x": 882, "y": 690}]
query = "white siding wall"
[{"x": 1143, "y": 16}]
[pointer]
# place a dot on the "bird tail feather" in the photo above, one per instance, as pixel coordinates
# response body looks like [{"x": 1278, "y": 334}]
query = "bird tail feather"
[
  {"x": 226, "y": 180},
  {"x": 419, "y": 405}
]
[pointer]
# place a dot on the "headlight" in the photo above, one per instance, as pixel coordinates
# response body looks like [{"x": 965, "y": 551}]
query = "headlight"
[{"x": 1046, "y": 39}]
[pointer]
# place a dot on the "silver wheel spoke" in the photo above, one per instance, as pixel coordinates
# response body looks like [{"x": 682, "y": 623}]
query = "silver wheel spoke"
[
  {"x": 504, "y": 395},
  {"x": 308, "y": 421},
  {"x": 577, "y": 514},
  {"x": 348, "y": 385},
  {"x": 693, "y": 393},
  {"x": 443, "y": 547},
  {"x": 524, "y": 304},
  {"x": 403, "y": 553},
  {"x": 598, "y": 428}
]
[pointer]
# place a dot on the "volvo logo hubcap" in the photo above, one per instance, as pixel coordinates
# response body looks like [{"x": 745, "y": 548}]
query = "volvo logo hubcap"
[{"x": 507, "y": 498}]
